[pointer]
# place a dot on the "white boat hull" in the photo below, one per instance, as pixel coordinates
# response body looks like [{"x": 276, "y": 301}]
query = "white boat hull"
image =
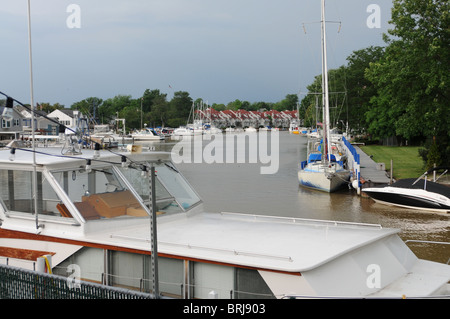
[
  {"x": 419, "y": 199},
  {"x": 327, "y": 180}
]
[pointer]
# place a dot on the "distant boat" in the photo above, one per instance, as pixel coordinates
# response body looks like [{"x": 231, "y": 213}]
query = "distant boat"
[
  {"x": 209, "y": 129},
  {"x": 191, "y": 129},
  {"x": 188, "y": 130},
  {"x": 147, "y": 134},
  {"x": 323, "y": 172},
  {"x": 413, "y": 193},
  {"x": 250, "y": 129},
  {"x": 294, "y": 126}
]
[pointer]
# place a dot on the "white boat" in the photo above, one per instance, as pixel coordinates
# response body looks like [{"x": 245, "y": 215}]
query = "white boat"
[
  {"x": 93, "y": 211},
  {"x": 313, "y": 134},
  {"x": 147, "y": 134},
  {"x": 325, "y": 174},
  {"x": 210, "y": 129},
  {"x": 413, "y": 193},
  {"x": 184, "y": 131},
  {"x": 250, "y": 129}
]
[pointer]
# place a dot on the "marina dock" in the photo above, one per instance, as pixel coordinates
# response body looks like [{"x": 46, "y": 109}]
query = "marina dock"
[
  {"x": 371, "y": 172},
  {"x": 364, "y": 169}
]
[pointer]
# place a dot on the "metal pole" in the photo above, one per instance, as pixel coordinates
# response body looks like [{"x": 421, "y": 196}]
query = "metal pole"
[
  {"x": 154, "y": 237},
  {"x": 34, "y": 179}
]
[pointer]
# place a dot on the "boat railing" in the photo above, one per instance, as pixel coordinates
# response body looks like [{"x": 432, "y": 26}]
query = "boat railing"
[
  {"x": 190, "y": 246},
  {"x": 300, "y": 221},
  {"x": 185, "y": 290},
  {"x": 8, "y": 261}
]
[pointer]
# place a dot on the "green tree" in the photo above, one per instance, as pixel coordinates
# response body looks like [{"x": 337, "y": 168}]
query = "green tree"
[
  {"x": 359, "y": 89},
  {"x": 235, "y": 105},
  {"x": 160, "y": 110},
  {"x": 48, "y": 108},
  {"x": 412, "y": 76},
  {"x": 89, "y": 107},
  {"x": 112, "y": 107},
  {"x": 179, "y": 109},
  {"x": 288, "y": 103}
]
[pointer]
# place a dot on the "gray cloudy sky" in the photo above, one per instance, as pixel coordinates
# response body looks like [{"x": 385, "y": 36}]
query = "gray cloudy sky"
[{"x": 218, "y": 50}]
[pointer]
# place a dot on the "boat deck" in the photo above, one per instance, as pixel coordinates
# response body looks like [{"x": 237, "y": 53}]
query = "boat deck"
[{"x": 231, "y": 238}]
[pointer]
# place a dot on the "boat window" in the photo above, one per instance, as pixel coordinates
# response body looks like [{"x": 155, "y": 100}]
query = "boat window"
[
  {"x": 99, "y": 193},
  {"x": 173, "y": 193},
  {"x": 16, "y": 193},
  {"x": 177, "y": 185}
]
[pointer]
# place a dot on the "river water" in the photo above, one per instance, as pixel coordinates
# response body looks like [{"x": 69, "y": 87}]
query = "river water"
[{"x": 241, "y": 188}]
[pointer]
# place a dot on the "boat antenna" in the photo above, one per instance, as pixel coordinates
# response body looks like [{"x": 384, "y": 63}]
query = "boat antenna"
[
  {"x": 34, "y": 179},
  {"x": 326, "y": 130}
]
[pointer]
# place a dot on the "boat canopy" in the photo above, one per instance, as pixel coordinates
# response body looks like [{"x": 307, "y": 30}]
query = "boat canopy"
[
  {"x": 316, "y": 157},
  {"x": 412, "y": 183}
]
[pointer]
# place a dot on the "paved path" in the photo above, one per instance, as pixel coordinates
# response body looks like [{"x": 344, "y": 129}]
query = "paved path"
[{"x": 369, "y": 171}]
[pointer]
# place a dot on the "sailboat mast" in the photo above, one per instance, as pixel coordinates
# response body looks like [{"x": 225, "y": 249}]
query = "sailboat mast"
[{"x": 326, "y": 115}]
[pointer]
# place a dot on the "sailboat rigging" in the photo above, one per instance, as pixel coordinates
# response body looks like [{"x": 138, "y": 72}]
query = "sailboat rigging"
[{"x": 325, "y": 172}]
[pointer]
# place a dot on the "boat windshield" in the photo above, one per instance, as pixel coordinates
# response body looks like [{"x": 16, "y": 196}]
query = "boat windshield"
[
  {"x": 173, "y": 193},
  {"x": 102, "y": 192},
  {"x": 99, "y": 193}
]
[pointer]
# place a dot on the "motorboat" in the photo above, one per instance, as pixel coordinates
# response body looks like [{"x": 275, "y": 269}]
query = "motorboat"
[
  {"x": 294, "y": 126},
  {"x": 250, "y": 129},
  {"x": 413, "y": 193},
  {"x": 211, "y": 129},
  {"x": 147, "y": 134}
]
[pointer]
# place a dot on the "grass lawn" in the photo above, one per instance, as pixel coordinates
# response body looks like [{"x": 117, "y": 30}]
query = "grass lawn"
[{"x": 406, "y": 161}]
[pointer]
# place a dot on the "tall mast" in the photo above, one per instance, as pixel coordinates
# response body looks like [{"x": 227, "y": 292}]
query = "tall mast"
[{"x": 326, "y": 115}]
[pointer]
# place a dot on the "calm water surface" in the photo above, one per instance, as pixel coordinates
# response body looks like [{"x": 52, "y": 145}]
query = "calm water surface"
[{"x": 241, "y": 188}]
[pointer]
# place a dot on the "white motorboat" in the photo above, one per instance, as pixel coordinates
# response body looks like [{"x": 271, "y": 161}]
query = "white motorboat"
[
  {"x": 250, "y": 129},
  {"x": 147, "y": 134},
  {"x": 325, "y": 174},
  {"x": 413, "y": 193}
]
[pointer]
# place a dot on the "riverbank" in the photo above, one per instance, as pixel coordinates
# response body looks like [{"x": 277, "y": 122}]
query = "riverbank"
[{"x": 406, "y": 161}]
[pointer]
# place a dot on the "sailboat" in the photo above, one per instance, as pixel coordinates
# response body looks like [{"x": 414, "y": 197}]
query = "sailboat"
[
  {"x": 191, "y": 129},
  {"x": 322, "y": 171}
]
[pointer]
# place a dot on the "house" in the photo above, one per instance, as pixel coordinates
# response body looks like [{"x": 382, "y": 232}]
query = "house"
[
  {"x": 70, "y": 118},
  {"x": 244, "y": 118},
  {"x": 42, "y": 125},
  {"x": 11, "y": 123}
]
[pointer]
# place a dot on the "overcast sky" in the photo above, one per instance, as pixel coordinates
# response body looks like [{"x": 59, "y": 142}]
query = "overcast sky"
[{"x": 217, "y": 50}]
